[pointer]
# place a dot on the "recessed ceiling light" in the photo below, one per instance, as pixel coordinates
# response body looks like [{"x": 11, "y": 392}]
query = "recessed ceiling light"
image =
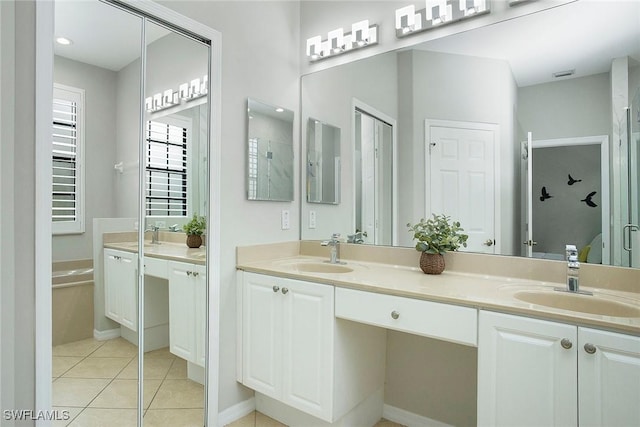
[
  {"x": 279, "y": 110},
  {"x": 63, "y": 41}
]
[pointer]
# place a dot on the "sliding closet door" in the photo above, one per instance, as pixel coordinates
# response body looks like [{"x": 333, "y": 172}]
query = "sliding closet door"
[{"x": 95, "y": 139}]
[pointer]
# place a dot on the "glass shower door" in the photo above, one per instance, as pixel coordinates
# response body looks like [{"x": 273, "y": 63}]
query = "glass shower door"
[{"x": 631, "y": 238}]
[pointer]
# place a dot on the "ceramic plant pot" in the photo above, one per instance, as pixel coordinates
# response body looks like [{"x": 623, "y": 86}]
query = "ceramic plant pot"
[
  {"x": 194, "y": 241},
  {"x": 431, "y": 263}
]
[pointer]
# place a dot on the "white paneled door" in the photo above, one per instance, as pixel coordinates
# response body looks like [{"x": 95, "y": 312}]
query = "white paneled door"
[{"x": 461, "y": 179}]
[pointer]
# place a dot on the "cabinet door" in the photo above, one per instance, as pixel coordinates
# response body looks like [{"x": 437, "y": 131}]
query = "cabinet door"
[
  {"x": 112, "y": 278},
  {"x": 608, "y": 378},
  {"x": 308, "y": 331},
  {"x": 182, "y": 295},
  {"x": 128, "y": 290},
  {"x": 261, "y": 333},
  {"x": 525, "y": 375}
]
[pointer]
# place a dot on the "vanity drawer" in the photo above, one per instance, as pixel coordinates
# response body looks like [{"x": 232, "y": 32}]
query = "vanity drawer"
[
  {"x": 156, "y": 267},
  {"x": 426, "y": 318}
]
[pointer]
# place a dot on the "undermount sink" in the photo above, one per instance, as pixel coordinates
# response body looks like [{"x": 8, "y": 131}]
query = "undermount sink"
[
  {"x": 316, "y": 267},
  {"x": 592, "y": 304}
]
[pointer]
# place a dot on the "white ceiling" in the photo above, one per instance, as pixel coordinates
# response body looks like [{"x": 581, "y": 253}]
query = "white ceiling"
[
  {"x": 585, "y": 35},
  {"x": 102, "y": 35}
]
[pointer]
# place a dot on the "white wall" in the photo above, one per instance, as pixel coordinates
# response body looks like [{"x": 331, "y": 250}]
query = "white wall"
[
  {"x": 17, "y": 264},
  {"x": 99, "y": 85},
  {"x": 260, "y": 60}
]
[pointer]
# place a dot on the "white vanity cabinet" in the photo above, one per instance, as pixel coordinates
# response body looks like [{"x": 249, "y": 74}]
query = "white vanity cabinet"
[
  {"x": 187, "y": 310},
  {"x": 537, "y": 372},
  {"x": 121, "y": 287},
  {"x": 287, "y": 336}
]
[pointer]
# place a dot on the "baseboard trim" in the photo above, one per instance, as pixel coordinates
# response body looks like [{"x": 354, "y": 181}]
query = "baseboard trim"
[
  {"x": 236, "y": 412},
  {"x": 409, "y": 419},
  {"x": 106, "y": 335}
]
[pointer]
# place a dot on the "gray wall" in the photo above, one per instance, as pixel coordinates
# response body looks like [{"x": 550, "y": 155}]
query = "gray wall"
[
  {"x": 564, "y": 219},
  {"x": 99, "y": 85},
  {"x": 328, "y": 97},
  {"x": 260, "y": 51},
  {"x": 567, "y": 108}
]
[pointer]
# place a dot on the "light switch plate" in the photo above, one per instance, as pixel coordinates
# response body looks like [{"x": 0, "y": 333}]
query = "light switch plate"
[
  {"x": 285, "y": 220},
  {"x": 312, "y": 219}
]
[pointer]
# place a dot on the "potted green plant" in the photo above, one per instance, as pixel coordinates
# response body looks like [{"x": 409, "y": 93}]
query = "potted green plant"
[
  {"x": 194, "y": 229},
  {"x": 435, "y": 236}
]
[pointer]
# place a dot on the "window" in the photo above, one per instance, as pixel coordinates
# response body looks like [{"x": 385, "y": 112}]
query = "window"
[
  {"x": 166, "y": 193},
  {"x": 67, "y": 151}
]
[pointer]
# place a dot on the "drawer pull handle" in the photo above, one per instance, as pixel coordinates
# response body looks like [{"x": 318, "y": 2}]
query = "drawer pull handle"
[
  {"x": 566, "y": 343},
  {"x": 590, "y": 348},
  {"x": 395, "y": 314},
  {"x": 285, "y": 290},
  {"x": 276, "y": 288}
]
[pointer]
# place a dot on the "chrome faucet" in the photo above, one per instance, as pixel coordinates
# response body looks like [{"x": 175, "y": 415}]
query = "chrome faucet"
[
  {"x": 334, "y": 244},
  {"x": 154, "y": 233},
  {"x": 573, "y": 269}
]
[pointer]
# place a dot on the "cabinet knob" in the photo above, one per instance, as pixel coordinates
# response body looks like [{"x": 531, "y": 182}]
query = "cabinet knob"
[
  {"x": 395, "y": 314},
  {"x": 590, "y": 348},
  {"x": 195, "y": 274},
  {"x": 276, "y": 288},
  {"x": 566, "y": 343},
  {"x": 285, "y": 290},
  {"x": 188, "y": 273}
]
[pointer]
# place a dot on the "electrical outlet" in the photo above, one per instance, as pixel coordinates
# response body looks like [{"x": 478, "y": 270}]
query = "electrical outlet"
[
  {"x": 285, "y": 220},
  {"x": 312, "y": 219},
  {"x": 161, "y": 224}
]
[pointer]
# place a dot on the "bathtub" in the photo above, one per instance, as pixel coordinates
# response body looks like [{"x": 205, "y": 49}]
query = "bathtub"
[{"x": 72, "y": 299}]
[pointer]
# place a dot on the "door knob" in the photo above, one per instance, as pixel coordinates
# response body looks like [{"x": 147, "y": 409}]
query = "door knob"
[{"x": 488, "y": 242}]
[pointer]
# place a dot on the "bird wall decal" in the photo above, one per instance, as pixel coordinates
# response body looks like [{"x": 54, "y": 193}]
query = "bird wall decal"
[
  {"x": 545, "y": 195},
  {"x": 573, "y": 181},
  {"x": 588, "y": 200}
]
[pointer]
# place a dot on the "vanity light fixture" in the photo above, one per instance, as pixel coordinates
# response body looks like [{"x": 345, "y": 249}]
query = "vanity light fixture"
[
  {"x": 437, "y": 13},
  {"x": 362, "y": 35},
  {"x": 186, "y": 92},
  {"x": 517, "y": 2}
]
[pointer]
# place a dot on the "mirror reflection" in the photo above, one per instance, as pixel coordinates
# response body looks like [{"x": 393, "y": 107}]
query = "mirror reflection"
[
  {"x": 323, "y": 162},
  {"x": 485, "y": 82},
  {"x": 130, "y": 174},
  {"x": 269, "y": 152}
]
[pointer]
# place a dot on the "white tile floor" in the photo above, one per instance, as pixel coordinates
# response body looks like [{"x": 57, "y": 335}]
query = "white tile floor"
[{"x": 96, "y": 381}]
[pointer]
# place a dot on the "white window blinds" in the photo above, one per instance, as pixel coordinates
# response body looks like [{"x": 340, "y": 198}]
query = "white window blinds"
[
  {"x": 166, "y": 166},
  {"x": 67, "y": 158}
]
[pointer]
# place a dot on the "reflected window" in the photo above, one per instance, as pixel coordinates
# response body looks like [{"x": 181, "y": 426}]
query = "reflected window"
[
  {"x": 67, "y": 157},
  {"x": 166, "y": 193},
  {"x": 253, "y": 168}
]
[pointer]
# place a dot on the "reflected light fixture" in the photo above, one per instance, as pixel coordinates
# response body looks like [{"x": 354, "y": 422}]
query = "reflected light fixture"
[
  {"x": 186, "y": 92},
  {"x": 279, "y": 110},
  {"x": 436, "y": 13},
  {"x": 362, "y": 35}
]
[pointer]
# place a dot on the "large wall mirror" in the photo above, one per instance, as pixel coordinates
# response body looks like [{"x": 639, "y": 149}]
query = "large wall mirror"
[
  {"x": 130, "y": 154},
  {"x": 269, "y": 152},
  {"x": 459, "y": 110}
]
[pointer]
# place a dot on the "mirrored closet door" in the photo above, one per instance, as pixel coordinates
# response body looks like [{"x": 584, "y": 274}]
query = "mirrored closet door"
[{"x": 130, "y": 175}]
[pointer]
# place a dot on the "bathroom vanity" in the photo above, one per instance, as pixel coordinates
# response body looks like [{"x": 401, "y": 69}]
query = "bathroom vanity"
[
  {"x": 175, "y": 300},
  {"x": 314, "y": 339}
]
